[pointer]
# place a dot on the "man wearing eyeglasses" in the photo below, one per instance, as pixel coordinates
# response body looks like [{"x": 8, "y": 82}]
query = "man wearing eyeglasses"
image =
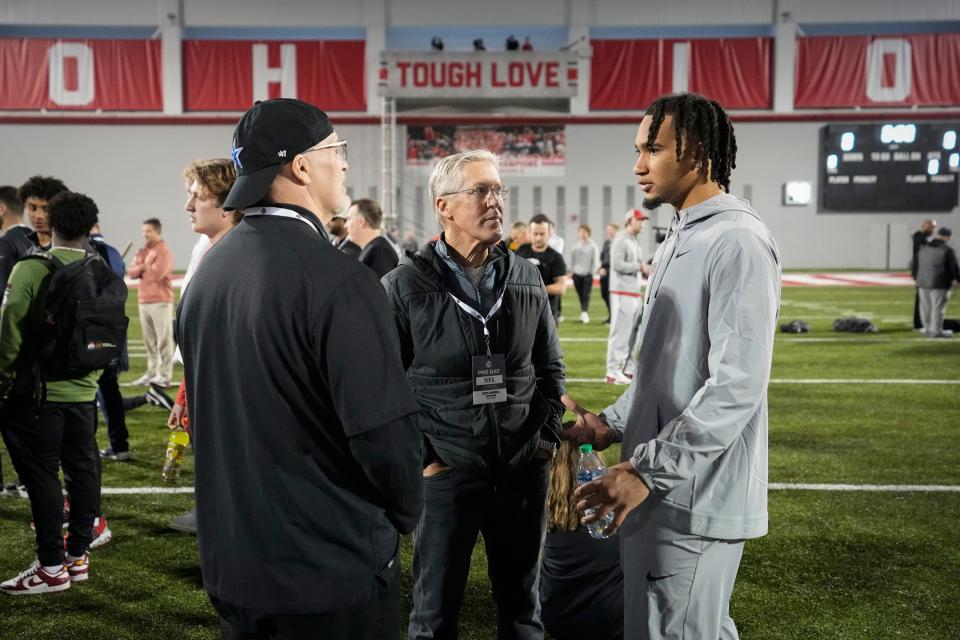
[
  {"x": 307, "y": 452},
  {"x": 480, "y": 348}
]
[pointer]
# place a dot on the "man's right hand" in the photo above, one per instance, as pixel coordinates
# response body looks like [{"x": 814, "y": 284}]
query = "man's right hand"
[
  {"x": 588, "y": 427},
  {"x": 175, "y": 421}
]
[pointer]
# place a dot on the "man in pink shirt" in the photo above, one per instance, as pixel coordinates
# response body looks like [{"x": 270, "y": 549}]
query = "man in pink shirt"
[{"x": 154, "y": 267}]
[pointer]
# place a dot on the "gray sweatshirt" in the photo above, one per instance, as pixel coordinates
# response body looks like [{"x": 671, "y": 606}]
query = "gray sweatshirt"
[
  {"x": 626, "y": 259},
  {"x": 696, "y": 431},
  {"x": 585, "y": 258}
]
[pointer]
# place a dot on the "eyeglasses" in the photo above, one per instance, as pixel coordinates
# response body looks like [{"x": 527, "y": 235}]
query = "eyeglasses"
[
  {"x": 341, "y": 148},
  {"x": 482, "y": 192}
]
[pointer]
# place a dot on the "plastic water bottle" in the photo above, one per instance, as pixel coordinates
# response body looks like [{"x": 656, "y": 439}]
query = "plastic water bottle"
[
  {"x": 590, "y": 468},
  {"x": 176, "y": 447}
]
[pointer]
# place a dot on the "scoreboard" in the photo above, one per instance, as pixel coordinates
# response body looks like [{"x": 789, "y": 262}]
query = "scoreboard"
[{"x": 891, "y": 166}]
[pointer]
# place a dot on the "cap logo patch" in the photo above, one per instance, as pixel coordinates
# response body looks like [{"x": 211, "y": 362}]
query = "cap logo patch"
[
  {"x": 235, "y": 155},
  {"x": 282, "y": 153}
]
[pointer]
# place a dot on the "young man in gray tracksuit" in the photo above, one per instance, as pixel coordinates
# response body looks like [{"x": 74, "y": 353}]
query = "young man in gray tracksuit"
[
  {"x": 626, "y": 292},
  {"x": 693, "y": 484}
]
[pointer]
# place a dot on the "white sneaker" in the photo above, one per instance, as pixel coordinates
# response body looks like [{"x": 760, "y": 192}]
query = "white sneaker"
[
  {"x": 143, "y": 380},
  {"x": 585, "y": 317},
  {"x": 159, "y": 380}
]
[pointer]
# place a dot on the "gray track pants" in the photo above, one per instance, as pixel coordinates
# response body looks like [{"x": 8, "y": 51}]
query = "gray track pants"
[{"x": 677, "y": 586}]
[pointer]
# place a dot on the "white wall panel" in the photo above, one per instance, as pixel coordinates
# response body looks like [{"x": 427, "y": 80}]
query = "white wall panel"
[
  {"x": 85, "y": 12},
  {"x": 133, "y": 172},
  {"x": 683, "y": 12},
  {"x": 280, "y": 13},
  {"x": 826, "y": 11},
  {"x": 425, "y": 13}
]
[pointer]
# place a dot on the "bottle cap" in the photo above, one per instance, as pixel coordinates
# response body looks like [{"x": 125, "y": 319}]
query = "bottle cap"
[{"x": 586, "y": 448}]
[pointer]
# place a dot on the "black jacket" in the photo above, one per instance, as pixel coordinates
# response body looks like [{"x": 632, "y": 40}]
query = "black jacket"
[
  {"x": 437, "y": 342},
  {"x": 15, "y": 244},
  {"x": 304, "y": 424}
]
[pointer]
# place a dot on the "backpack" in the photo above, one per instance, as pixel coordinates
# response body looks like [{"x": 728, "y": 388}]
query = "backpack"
[
  {"x": 79, "y": 320},
  {"x": 853, "y": 324},
  {"x": 795, "y": 326}
]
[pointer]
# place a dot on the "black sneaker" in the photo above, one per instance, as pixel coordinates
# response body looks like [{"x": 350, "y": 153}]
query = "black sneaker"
[{"x": 158, "y": 397}]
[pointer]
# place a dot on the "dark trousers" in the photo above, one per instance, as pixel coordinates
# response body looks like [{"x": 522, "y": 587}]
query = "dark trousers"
[
  {"x": 58, "y": 434},
  {"x": 917, "y": 322},
  {"x": 605, "y": 292},
  {"x": 510, "y": 512},
  {"x": 583, "y": 285},
  {"x": 111, "y": 404},
  {"x": 375, "y": 620}
]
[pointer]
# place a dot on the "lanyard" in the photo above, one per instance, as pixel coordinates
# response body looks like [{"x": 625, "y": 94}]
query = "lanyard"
[
  {"x": 283, "y": 213},
  {"x": 476, "y": 314}
]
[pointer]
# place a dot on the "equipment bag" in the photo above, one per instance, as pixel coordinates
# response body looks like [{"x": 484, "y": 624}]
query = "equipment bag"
[
  {"x": 795, "y": 326},
  {"x": 853, "y": 324},
  {"x": 80, "y": 323}
]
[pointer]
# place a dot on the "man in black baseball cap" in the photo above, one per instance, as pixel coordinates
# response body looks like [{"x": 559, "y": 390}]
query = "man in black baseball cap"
[
  {"x": 308, "y": 464},
  {"x": 271, "y": 147}
]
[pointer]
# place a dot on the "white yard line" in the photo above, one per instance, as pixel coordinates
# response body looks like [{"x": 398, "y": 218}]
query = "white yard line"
[
  {"x": 782, "y": 338},
  {"x": 892, "y": 488},
  {"x": 826, "y": 381},
  {"x": 774, "y": 486},
  {"x": 139, "y": 491}
]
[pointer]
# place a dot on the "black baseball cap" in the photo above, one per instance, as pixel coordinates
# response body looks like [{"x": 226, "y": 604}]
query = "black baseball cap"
[{"x": 270, "y": 134}]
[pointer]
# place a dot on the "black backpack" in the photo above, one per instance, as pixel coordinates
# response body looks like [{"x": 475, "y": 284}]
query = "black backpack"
[
  {"x": 79, "y": 318},
  {"x": 853, "y": 324}
]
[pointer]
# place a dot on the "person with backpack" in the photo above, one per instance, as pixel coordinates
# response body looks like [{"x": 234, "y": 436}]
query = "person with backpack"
[
  {"x": 20, "y": 240},
  {"x": 61, "y": 323}
]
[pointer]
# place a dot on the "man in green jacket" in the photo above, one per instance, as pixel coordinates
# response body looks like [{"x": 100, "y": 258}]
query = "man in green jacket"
[{"x": 60, "y": 431}]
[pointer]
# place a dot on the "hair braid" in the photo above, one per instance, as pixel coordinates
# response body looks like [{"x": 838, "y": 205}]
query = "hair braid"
[{"x": 701, "y": 122}]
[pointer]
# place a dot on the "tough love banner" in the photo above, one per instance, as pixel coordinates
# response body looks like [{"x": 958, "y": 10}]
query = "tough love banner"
[
  {"x": 478, "y": 75},
  {"x": 69, "y": 74},
  {"x": 876, "y": 71}
]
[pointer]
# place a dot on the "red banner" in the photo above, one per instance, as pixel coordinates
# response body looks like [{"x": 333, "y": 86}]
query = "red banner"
[
  {"x": 230, "y": 75},
  {"x": 878, "y": 71},
  {"x": 113, "y": 75},
  {"x": 630, "y": 74}
]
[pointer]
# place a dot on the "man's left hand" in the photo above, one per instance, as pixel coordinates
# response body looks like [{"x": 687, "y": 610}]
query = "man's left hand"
[
  {"x": 619, "y": 492},
  {"x": 588, "y": 428}
]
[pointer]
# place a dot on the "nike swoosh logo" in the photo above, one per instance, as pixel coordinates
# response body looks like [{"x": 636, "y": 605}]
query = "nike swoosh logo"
[
  {"x": 682, "y": 253},
  {"x": 33, "y": 581},
  {"x": 653, "y": 578}
]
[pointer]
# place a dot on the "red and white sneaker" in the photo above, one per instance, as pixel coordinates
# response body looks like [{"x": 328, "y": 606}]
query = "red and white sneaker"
[
  {"x": 35, "y": 579},
  {"x": 78, "y": 569},
  {"x": 101, "y": 533},
  {"x": 617, "y": 378}
]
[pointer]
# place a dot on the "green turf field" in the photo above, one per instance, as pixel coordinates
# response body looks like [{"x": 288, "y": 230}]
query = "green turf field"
[{"x": 836, "y": 564}]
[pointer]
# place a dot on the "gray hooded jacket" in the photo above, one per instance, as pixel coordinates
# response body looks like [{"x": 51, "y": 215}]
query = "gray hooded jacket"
[{"x": 696, "y": 431}]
